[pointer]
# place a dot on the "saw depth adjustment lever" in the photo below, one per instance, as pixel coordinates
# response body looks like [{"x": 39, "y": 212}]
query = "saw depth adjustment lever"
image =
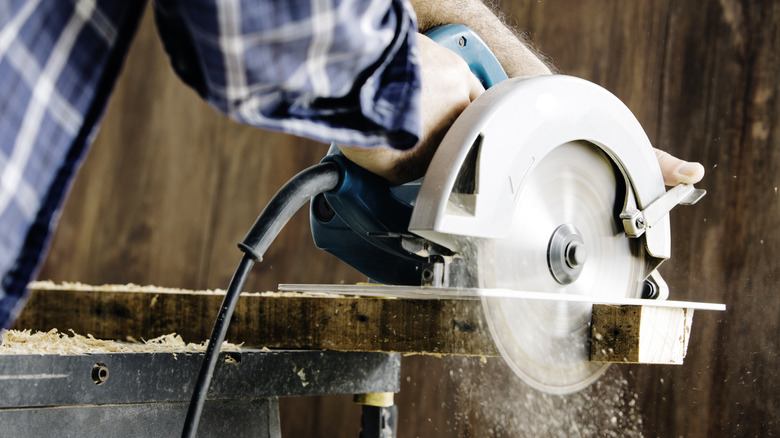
[{"x": 636, "y": 222}]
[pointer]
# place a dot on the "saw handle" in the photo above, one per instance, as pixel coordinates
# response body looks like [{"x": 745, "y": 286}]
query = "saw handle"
[
  {"x": 469, "y": 46},
  {"x": 359, "y": 222}
]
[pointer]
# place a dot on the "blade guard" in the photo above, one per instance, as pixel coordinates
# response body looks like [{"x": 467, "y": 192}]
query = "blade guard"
[{"x": 503, "y": 134}]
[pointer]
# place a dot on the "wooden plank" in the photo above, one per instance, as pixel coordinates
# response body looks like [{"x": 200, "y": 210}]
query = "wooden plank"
[
  {"x": 271, "y": 319},
  {"x": 640, "y": 334},
  {"x": 627, "y": 333}
]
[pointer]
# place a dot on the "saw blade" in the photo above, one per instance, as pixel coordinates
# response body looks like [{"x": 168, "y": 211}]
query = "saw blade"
[{"x": 565, "y": 239}]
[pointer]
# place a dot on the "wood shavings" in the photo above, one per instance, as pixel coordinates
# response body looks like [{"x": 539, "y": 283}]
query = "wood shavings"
[
  {"x": 130, "y": 288},
  {"x": 54, "y": 342}
]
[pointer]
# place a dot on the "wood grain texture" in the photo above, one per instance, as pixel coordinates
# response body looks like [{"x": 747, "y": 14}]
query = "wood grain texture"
[
  {"x": 640, "y": 334},
  {"x": 170, "y": 187},
  {"x": 615, "y": 333},
  {"x": 273, "y": 320}
]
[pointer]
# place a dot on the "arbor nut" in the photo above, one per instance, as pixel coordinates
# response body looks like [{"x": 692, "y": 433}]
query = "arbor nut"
[
  {"x": 576, "y": 254},
  {"x": 99, "y": 373},
  {"x": 566, "y": 254}
]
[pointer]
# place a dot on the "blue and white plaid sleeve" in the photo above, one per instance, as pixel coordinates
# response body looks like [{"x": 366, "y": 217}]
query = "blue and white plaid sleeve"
[
  {"x": 58, "y": 62},
  {"x": 334, "y": 71}
]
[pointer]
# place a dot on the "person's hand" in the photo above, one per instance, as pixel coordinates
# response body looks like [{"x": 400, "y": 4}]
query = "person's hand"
[
  {"x": 448, "y": 87},
  {"x": 676, "y": 171}
]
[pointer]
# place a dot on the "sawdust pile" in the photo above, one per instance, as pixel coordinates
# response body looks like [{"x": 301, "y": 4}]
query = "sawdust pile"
[
  {"x": 49, "y": 285},
  {"x": 54, "y": 342},
  {"x": 490, "y": 401},
  {"x": 129, "y": 287}
]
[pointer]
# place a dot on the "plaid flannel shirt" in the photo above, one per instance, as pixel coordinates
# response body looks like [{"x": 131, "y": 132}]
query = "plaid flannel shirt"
[{"x": 331, "y": 70}]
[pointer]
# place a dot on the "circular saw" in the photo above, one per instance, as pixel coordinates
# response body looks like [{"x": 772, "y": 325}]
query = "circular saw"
[
  {"x": 554, "y": 162},
  {"x": 543, "y": 198},
  {"x": 546, "y": 184}
]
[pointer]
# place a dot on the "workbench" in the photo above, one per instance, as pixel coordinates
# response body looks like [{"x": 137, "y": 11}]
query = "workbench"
[
  {"x": 147, "y": 394},
  {"x": 320, "y": 345}
]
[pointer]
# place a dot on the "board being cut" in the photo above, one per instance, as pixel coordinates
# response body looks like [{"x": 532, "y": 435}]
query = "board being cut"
[
  {"x": 318, "y": 320},
  {"x": 640, "y": 334},
  {"x": 288, "y": 320}
]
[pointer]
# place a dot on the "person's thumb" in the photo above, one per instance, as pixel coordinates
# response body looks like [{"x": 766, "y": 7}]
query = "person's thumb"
[{"x": 676, "y": 171}]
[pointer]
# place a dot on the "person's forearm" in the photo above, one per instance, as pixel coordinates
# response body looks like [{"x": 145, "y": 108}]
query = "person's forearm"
[{"x": 512, "y": 50}]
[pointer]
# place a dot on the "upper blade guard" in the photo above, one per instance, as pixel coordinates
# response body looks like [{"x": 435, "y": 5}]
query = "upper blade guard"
[{"x": 503, "y": 134}]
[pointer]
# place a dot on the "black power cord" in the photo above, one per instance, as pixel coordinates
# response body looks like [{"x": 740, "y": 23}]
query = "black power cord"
[{"x": 292, "y": 196}]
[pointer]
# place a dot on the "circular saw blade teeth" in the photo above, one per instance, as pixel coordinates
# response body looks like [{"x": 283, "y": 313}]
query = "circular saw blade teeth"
[{"x": 564, "y": 239}]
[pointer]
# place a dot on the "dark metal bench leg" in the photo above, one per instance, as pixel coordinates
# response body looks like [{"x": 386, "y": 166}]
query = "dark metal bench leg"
[{"x": 380, "y": 415}]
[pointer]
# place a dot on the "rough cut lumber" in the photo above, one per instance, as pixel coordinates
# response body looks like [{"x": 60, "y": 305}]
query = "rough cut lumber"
[
  {"x": 287, "y": 320},
  {"x": 640, "y": 334},
  {"x": 271, "y": 319}
]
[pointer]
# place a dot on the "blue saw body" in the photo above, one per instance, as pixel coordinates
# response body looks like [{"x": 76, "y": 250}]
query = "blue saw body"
[{"x": 363, "y": 219}]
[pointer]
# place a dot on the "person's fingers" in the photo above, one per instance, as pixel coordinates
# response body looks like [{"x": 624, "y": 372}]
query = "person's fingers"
[{"x": 676, "y": 171}]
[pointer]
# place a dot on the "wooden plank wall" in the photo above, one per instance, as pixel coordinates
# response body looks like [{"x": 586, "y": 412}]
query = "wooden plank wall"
[{"x": 170, "y": 187}]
